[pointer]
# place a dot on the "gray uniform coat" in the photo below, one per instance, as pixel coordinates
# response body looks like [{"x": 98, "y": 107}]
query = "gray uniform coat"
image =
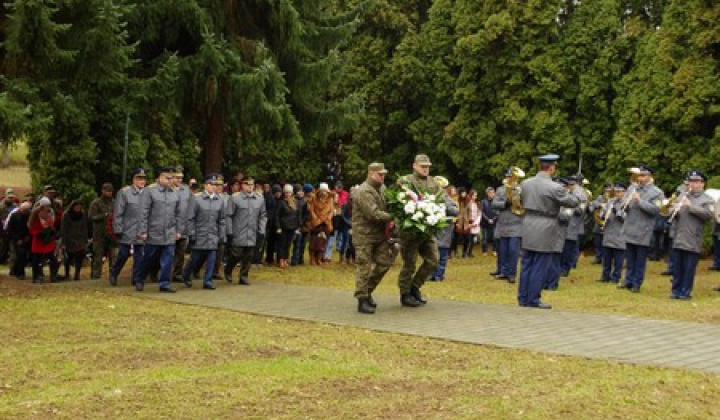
[
  {"x": 126, "y": 219},
  {"x": 576, "y": 227},
  {"x": 640, "y": 219},
  {"x": 185, "y": 194},
  {"x": 612, "y": 235},
  {"x": 444, "y": 237},
  {"x": 508, "y": 225},
  {"x": 247, "y": 218},
  {"x": 542, "y": 199},
  {"x": 690, "y": 222},
  {"x": 205, "y": 220},
  {"x": 160, "y": 215}
]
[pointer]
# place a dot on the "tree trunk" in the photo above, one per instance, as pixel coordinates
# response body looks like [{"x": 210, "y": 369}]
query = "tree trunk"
[
  {"x": 215, "y": 138},
  {"x": 5, "y": 160}
]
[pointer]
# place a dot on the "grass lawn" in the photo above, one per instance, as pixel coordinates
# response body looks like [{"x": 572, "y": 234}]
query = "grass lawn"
[
  {"x": 84, "y": 354},
  {"x": 17, "y": 174}
]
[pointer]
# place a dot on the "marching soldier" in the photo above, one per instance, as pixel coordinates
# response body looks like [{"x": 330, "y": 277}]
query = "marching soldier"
[
  {"x": 695, "y": 208},
  {"x": 160, "y": 227},
  {"x": 181, "y": 244},
  {"x": 247, "y": 221},
  {"x": 103, "y": 244},
  {"x": 613, "y": 243},
  {"x": 542, "y": 199},
  {"x": 205, "y": 227},
  {"x": 375, "y": 254},
  {"x": 509, "y": 230},
  {"x": 220, "y": 255},
  {"x": 411, "y": 281},
  {"x": 643, "y": 205},
  {"x": 126, "y": 222}
]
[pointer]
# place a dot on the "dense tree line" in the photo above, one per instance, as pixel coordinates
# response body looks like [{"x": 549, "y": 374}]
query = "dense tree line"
[{"x": 306, "y": 89}]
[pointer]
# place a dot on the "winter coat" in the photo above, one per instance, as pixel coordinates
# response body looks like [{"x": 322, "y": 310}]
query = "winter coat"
[
  {"x": 43, "y": 235},
  {"x": 444, "y": 237},
  {"x": 246, "y": 218},
  {"x": 322, "y": 210},
  {"x": 205, "y": 220},
  {"x": 73, "y": 232},
  {"x": 126, "y": 218},
  {"x": 160, "y": 215},
  {"x": 287, "y": 218}
]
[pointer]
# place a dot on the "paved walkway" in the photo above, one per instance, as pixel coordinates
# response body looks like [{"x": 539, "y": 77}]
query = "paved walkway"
[{"x": 623, "y": 339}]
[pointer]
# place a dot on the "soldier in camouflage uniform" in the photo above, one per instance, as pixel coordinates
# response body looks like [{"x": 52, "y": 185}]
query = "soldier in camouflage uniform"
[
  {"x": 410, "y": 281},
  {"x": 103, "y": 244},
  {"x": 181, "y": 244},
  {"x": 374, "y": 252}
]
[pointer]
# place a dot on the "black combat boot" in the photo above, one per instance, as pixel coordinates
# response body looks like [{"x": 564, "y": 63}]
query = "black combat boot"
[
  {"x": 415, "y": 292},
  {"x": 364, "y": 306},
  {"x": 409, "y": 300},
  {"x": 371, "y": 301}
]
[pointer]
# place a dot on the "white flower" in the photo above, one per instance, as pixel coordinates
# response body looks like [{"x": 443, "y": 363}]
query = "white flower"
[
  {"x": 410, "y": 207},
  {"x": 430, "y": 198},
  {"x": 413, "y": 195},
  {"x": 417, "y": 216},
  {"x": 401, "y": 196},
  {"x": 431, "y": 220}
]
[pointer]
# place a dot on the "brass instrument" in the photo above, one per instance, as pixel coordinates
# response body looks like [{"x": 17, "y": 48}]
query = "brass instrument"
[
  {"x": 512, "y": 191},
  {"x": 599, "y": 215},
  {"x": 715, "y": 195},
  {"x": 668, "y": 204},
  {"x": 678, "y": 204},
  {"x": 634, "y": 172}
]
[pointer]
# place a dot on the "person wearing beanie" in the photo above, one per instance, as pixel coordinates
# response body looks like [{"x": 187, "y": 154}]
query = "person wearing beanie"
[
  {"x": 321, "y": 209},
  {"x": 298, "y": 252},
  {"x": 41, "y": 227},
  {"x": 287, "y": 219},
  {"x": 103, "y": 244},
  {"x": 272, "y": 238},
  {"x": 73, "y": 235}
]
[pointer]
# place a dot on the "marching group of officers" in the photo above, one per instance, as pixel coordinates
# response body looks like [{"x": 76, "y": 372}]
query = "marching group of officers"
[{"x": 542, "y": 220}]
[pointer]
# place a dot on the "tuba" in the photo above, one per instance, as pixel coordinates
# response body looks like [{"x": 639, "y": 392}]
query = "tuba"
[{"x": 512, "y": 191}]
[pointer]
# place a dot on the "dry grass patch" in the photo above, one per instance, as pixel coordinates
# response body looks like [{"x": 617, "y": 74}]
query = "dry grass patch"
[{"x": 85, "y": 354}]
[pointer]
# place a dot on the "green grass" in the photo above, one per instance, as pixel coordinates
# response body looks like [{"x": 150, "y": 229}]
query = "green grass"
[
  {"x": 84, "y": 354},
  {"x": 469, "y": 280}
]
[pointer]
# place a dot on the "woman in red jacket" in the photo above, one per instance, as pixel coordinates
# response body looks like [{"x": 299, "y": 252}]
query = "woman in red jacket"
[{"x": 42, "y": 229}]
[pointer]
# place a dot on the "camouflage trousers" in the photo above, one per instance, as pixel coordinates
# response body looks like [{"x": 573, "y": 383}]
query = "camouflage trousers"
[
  {"x": 410, "y": 249},
  {"x": 102, "y": 247},
  {"x": 373, "y": 259}
]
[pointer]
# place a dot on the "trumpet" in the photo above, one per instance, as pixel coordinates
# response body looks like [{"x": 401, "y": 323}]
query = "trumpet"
[
  {"x": 678, "y": 204},
  {"x": 512, "y": 191},
  {"x": 634, "y": 172}
]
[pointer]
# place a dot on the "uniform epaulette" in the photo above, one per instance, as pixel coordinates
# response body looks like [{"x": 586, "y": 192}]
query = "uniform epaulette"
[{"x": 125, "y": 188}]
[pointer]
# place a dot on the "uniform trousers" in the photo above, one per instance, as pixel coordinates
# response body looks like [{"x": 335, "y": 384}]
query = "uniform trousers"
[
  {"x": 538, "y": 269},
  {"x": 243, "y": 255},
  {"x": 162, "y": 253},
  {"x": 568, "y": 258},
  {"x": 612, "y": 262},
  {"x": 597, "y": 247},
  {"x": 219, "y": 256},
  {"x": 412, "y": 247},
  {"x": 102, "y": 246},
  {"x": 198, "y": 257},
  {"x": 636, "y": 256},
  {"x": 684, "y": 272},
  {"x": 374, "y": 259},
  {"x": 716, "y": 252},
  {"x": 508, "y": 255},
  {"x": 179, "y": 258},
  {"x": 122, "y": 257}
]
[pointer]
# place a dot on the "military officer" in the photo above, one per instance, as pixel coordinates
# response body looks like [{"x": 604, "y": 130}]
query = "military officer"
[
  {"x": 509, "y": 230},
  {"x": 160, "y": 227},
  {"x": 565, "y": 215},
  {"x": 103, "y": 244},
  {"x": 247, "y": 221},
  {"x": 613, "y": 243},
  {"x": 205, "y": 227},
  {"x": 126, "y": 221},
  {"x": 181, "y": 244},
  {"x": 694, "y": 209},
  {"x": 411, "y": 281},
  {"x": 541, "y": 241},
  {"x": 643, "y": 205},
  {"x": 374, "y": 252}
]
